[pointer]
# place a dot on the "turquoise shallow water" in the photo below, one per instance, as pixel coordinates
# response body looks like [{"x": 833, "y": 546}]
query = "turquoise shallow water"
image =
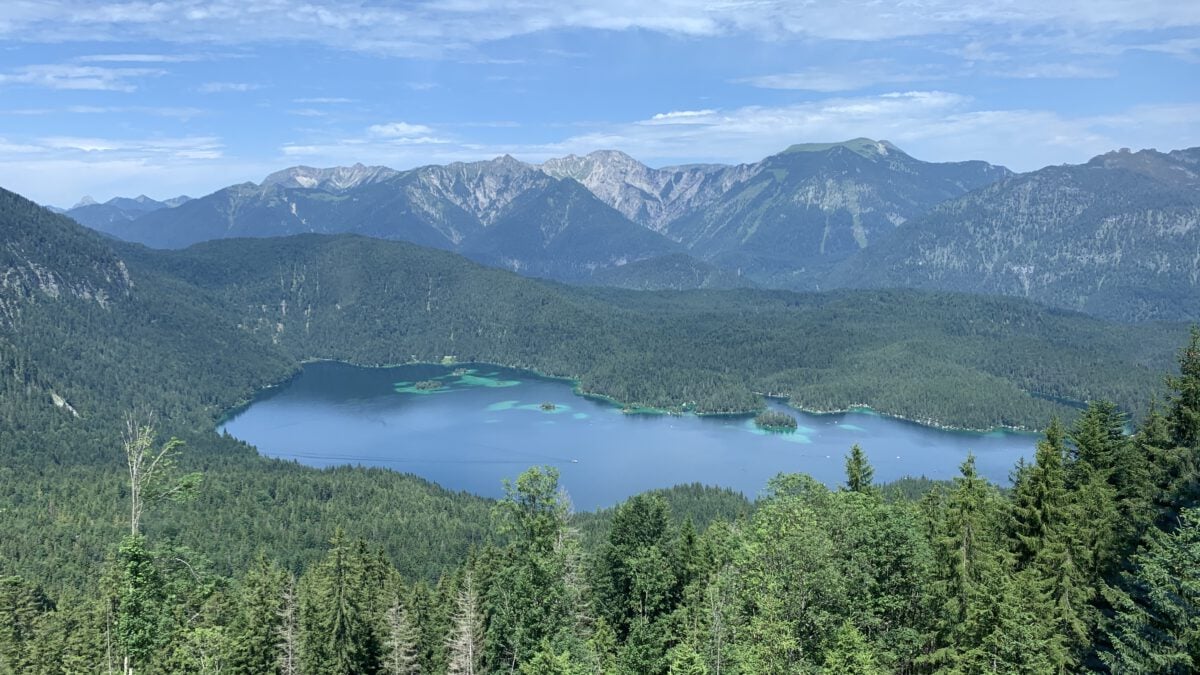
[{"x": 487, "y": 423}]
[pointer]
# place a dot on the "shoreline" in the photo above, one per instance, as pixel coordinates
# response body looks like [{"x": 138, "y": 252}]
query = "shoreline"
[{"x": 630, "y": 408}]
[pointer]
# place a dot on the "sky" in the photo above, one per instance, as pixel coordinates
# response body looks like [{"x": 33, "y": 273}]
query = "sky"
[{"x": 108, "y": 98}]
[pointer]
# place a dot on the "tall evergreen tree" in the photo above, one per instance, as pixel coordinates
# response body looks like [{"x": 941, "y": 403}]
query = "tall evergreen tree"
[
  {"x": 530, "y": 595},
  {"x": 1039, "y": 497},
  {"x": 1156, "y": 626},
  {"x": 337, "y": 631},
  {"x": 20, "y": 608},
  {"x": 1185, "y": 402},
  {"x": 971, "y": 570},
  {"x": 860, "y": 477},
  {"x": 140, "y": 608},
  {"x": 254, "y": 630},
  {"x": 851, "y": 653}
]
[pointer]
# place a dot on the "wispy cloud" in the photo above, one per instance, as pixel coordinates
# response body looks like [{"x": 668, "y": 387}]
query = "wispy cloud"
[
  {"x": 76, "y": 77},
  {"x": 845, "y": 76},
  {"x": 226, "y": 87},
  {"x": 930, "y": 125},
  {"x": 682, "y": 116},
  {"x": 1058, "y": 71},
  {"x": 184, "y": 148},
  {"x": 139, "y": 58},
  {"x": 399, "y": 130},
  {"x": 179, "y": 113},
  {"x": 429, "y": 28},
  {"x": 320, "y": 100}
]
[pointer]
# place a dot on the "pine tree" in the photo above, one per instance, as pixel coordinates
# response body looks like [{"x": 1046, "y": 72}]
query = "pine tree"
[
  {"x": 860, "y": 476},
  {"x": 683, "y": 659},
  {"x": 465, "y": 642},
  {"x": 971, "y": 570},
  {"x": 255, "y": 628},
  {"x": 140, "y": 607},
  {"x": 338, "y": 632},
  {"x": 1185, "y": 402},
  {"x": 533, "y": 592},
  {"x": 634, "y": 555},
  {"x": 851, "y": 653},
  {"x": 1156, "y": 626},
  {"x": 1098, "y": 436},
  {"x": 1040, "y": 497},
  {"x": 20, "y": 607}
]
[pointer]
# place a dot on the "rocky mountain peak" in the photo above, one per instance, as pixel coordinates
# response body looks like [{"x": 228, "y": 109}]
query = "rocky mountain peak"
[
  {"x": 866, "y": 147},
  {"x": 333, "y": 179}
]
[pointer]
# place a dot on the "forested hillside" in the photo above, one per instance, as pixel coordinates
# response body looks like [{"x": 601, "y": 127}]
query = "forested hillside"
[
  {"x": 1090, "y": 562},
  {"x": 263, "y": 566}
]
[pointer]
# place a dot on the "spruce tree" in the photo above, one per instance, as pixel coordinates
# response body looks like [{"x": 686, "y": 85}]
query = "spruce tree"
[
  {"x": 1039, "y": 497},
  {"x": 1185, "y": 401},
  {"x": 1156, "y": 626},
  {"x": 860, "y": 476},
  {"x": 140, "y": 605},
  {"x": 338, "y": 633},
  {"x": 850, "y": 652},
  {"x": 254, "y": 630}
]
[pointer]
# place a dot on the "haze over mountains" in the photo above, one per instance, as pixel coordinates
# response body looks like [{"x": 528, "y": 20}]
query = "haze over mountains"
[{"x": 1117, "y": 237}]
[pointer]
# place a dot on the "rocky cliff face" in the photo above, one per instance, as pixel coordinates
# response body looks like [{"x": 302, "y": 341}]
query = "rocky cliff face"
[
  {"x": 45, "y": 257},
  {"x": 335, "y": 179},
  {"x": 650, "y": 197},
  {"x": 1118, "y": 237}
]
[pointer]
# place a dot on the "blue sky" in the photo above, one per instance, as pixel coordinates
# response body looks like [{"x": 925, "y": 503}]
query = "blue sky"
[{"x": 163, "y": 98}]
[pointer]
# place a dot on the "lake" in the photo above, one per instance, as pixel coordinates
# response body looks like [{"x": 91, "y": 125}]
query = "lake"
[{"x": 487, "y": 423}]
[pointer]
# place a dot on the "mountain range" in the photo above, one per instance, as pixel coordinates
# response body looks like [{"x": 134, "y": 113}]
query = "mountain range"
[
  {"x": 1116, "y": 236},
  {"x": 85, "y": 317}
]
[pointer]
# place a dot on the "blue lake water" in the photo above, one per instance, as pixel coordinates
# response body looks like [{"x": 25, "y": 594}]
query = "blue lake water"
[{"x": 487, "y": 423}]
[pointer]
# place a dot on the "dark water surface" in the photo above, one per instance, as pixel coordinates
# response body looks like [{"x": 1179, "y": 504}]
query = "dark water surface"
[{"x": 487, "y": 423}]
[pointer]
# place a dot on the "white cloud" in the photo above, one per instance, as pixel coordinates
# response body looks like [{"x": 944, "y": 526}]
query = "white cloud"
[
  {"x": 1060, "y": 71},
  {"x": 682, "y": 116},
  {"x": 323, "y": 100},
  {"x": 139, "y": 58},
  {"x": 224, "y": 87},
  {"x": 398, "y": 130},
  {"x": 844, "y": 77},
  {"x": 428, "y": 28},
  {"x": 76, "y": 77}
]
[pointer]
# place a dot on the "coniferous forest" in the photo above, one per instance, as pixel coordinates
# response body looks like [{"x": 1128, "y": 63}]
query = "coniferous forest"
[
  {"x": 1090, "y": 561},
  {"x": 135, "y": 539},
  {"x": 599, "y": 337}
]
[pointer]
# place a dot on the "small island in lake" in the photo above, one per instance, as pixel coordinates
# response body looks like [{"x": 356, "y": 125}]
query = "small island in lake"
[
  {"x": 773, "y": 420},
  {"x": 428, "y": 385},
  {"x": 548, "y": 406}
]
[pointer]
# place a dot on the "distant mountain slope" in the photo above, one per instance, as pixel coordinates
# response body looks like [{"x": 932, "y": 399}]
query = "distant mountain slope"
[
  {"x": 778, "y": 221},
  {"x": 117, "y": 210},
  {"x": 811, "y": 206},
  {"x": 651, "y": 197},
  {"x": 1117, "y": 237},
  {"x": 501, "y": 212}
]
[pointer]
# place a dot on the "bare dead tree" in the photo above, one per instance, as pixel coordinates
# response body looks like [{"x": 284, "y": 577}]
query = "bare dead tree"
[
  {"x": 151, "y": 470},
  {"x": 465, "y": 643}
]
